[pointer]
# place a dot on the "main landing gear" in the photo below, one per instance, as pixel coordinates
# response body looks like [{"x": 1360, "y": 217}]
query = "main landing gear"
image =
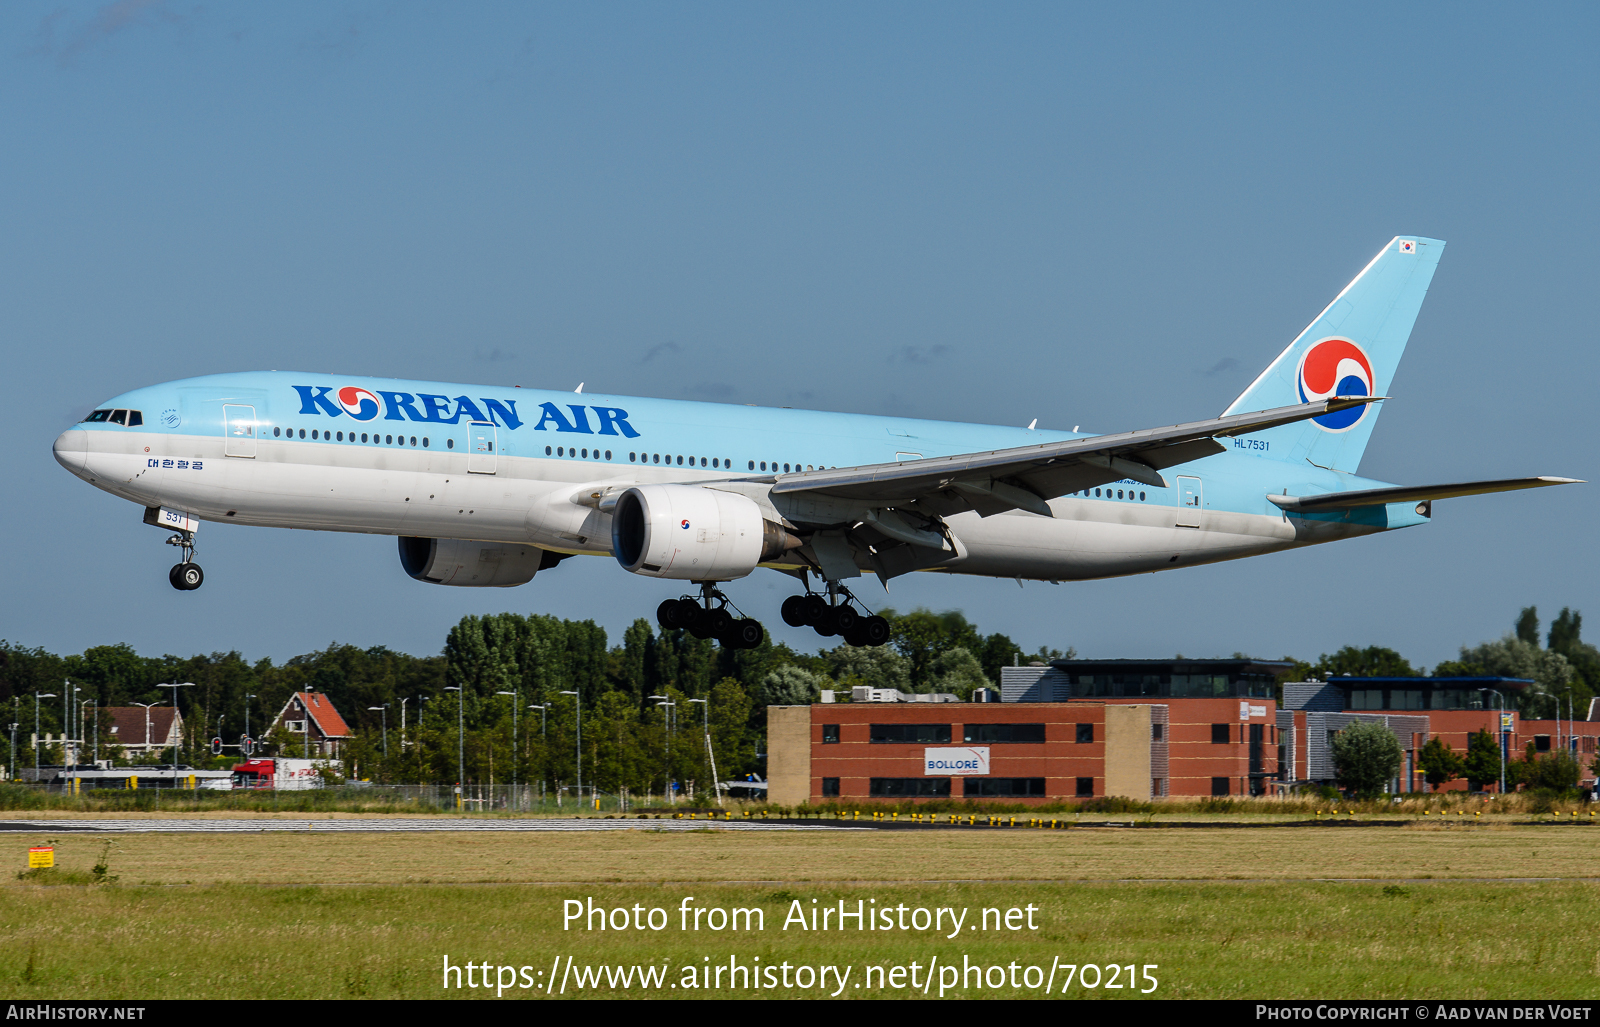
[
  {"x": 186, "y": 576},
  {"x": 832, "y": 614},
  {"x": 708, "y": 617}
]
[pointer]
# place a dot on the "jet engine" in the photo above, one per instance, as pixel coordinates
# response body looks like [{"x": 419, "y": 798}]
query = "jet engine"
[
  {"x": 694, "y": 533},
  {"x": 453, "y": 561}
]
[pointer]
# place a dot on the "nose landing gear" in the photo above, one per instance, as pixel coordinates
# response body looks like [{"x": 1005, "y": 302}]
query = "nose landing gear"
[
  {"x": 702, "y": 619},
  {"x": 186, "y": 576},
  {"x": 832, "y": 614}
]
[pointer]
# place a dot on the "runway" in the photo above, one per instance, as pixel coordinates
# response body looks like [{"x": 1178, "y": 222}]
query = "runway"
[{"x": 396, "y": 825}]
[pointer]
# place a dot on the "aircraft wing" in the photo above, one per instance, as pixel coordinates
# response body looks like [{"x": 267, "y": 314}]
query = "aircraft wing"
[
  {"x": 1413, "y": 493},
  {"x": 1024, "y": 477}
]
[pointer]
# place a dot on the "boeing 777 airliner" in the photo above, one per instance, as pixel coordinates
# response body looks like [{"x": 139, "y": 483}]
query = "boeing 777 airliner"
[{"x": 488, "y": 485}]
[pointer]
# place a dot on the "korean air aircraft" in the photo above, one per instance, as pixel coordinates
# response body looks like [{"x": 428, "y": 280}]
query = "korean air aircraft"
[{"x": 489, "y": 485}]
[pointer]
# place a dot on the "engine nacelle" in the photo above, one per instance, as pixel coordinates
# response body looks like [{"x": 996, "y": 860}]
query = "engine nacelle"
[
  {"x": 453, "y": 561},
  {"x": 694, "y": 533}
]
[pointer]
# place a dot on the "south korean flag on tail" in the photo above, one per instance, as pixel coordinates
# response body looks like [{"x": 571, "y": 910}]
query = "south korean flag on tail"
[{"x": 1408, "y": 246}]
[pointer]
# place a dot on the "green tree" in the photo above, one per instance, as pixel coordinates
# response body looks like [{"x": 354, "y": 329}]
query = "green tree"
[
  {"x": 958, "y": 672},
  {"x": 1527, "y": 628},
  {"x": 871, "y": 666},
  {"x": 1366, "y": 755},
  {"x": 1439, "y": 763},
  {"x": 791, "y": 686},
  {"x": 1515, "y": 657},
  {"x": 1482, "y": 764},
  {"x": 1374, "y": 661}
]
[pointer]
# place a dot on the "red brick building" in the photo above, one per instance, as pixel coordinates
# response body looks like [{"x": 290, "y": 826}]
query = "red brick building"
[{"x": 1027, "y": 752}]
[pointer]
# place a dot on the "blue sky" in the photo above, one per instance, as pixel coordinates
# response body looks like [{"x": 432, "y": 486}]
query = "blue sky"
[{"x": 1106, "y": 215}]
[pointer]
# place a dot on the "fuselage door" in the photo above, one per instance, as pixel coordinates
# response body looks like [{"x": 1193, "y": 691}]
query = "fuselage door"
[
  {"x": 480, "y": 447},
  {"x": 239, "y": 430},
  {"x": 1191, "y": 500}
]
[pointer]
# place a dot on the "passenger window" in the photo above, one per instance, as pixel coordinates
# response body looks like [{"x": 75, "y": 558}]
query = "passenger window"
[
  {"x": 608, "y": 454},
  {"x": 655, "y": 458},
  {"x": 302, "y": 433},
  {"x": 363, "y": 436},
  {"x": 547, "y": 451},
  {"x": 119, "y": 417},
  {"x": 630, "y": 456},
  {"x": 276, "y": 432},
  {"x": 424, "y": 442},
  {"x": 449, "y": 443},
  {"x": 313, "y": 435},
  {"x": 413, "y": 440},
  {"x": 763, "y": 465},
  {"x": 561, "y": 451},
  {"x": 680, "y": 461},
  {"x": 340, "y": 435},
  {"x": 786, "y": 468},
  {"x": 584, "y": 453},
  {"x": 135, "y": 418},
  {"x": 388, "y": 439},
  {"x": 753, "y": 465},
  {"x": 1119, "y": 493}
]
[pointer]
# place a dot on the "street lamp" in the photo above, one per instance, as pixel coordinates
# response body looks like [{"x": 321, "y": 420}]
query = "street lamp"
[
  {"x": 1499, "y": 735},
  {"x": 578, "y": 703},
  {"x": 247, "y": 698},
  {"x": 667, "y": 707},
  {"x": 147, "y": 706},
  {"x": 175, "y": 687},
  {"x": 543, "y": 709},
  {"x": 384, "y": 709},
  {"x": 81, "y": 705},
  {"x": 705, "y": 706},
  {"x": 36, "y": 697},
  {"x": 69, "y": 691},
  {"x": 461, "y": 744},
  {"x": 403, "y": 702},
  {"x": 514, "y": 701}
]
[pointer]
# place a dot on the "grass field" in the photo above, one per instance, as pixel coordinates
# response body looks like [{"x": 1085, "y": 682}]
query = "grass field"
[{"x": 1221, "y": 913}]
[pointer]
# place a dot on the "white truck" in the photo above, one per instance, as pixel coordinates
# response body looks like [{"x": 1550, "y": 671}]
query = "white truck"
[{"x": 284, "y": 775}]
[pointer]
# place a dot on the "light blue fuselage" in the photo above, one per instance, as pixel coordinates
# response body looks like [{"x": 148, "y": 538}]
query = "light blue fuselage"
[{"x": 408, "y": 470}]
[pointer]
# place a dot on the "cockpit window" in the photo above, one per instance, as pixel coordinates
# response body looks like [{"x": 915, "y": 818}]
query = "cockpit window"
[
  {"x": 98, "y": 415},
  {"x": 135, "y": 418},
  {"x": 118, "y": 417}
]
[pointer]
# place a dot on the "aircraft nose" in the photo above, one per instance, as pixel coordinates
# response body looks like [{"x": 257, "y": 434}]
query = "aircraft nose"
[{"x": 72, "y": 450}]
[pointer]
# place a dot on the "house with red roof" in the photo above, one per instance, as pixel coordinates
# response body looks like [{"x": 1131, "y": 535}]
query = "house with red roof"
[{"x": 311, "y": 716}]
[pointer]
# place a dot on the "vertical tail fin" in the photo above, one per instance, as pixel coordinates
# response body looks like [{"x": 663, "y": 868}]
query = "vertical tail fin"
[{"x": 1351, "y": 349}]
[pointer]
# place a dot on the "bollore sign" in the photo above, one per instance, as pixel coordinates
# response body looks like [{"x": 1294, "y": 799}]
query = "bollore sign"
[{"x": 967, "y": 761}]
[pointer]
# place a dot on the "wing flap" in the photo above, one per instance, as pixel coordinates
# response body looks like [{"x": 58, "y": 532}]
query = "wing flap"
[{"x": 1414, "y": 493}]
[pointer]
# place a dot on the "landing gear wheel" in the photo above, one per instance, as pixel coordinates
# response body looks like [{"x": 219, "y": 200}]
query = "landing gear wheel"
[
  {"x": 816, "y": 608},
  {"x": 874, "y": 629},
  {"x": 794, "y": 611},
  {"x": 186, "y": 577},
  {"x": 744, "y": 634},
  {"x": 844, "y": 619},
  {"x": 697, "y": 621},
  {"x": 718, "y": 623},
  {"x": 667, "y": 614}
]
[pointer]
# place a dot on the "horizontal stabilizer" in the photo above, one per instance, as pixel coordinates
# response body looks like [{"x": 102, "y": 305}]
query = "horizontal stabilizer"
[{"x": 1413, "y": 493}]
